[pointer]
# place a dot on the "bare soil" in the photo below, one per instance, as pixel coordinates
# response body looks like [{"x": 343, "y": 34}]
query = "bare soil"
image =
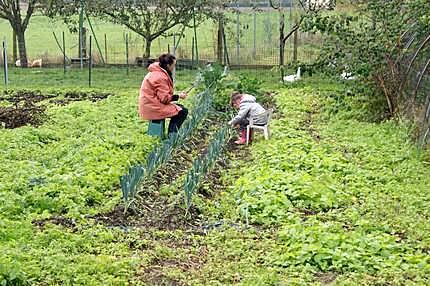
[{"x": 22, "y": 107}]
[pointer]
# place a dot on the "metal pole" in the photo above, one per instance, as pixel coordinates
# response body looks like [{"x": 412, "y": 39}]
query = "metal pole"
[
  {"x": 90, "y": 62},
  {"x": 95, "y": 38},
  {"x": 227, "y": 59},
  {"x": 174, "y": 53},
  {"x": 192, "y": 53},
  {"x": 126, "y": 53},
  {"x": 81, "y": 25},
  {"x": 238, "y": 33},
  {"x": 195, "y": 37},
  {"x": 64, "y": 54},
  {"x": 6, "y": 77},
  {"x": 296, "y": 42},
  {"x": 254, "y": 50},
  {"x": 181, "y": 35},
  {"x": 106, "y": 55},
  {"x": 291, "y": 19}
]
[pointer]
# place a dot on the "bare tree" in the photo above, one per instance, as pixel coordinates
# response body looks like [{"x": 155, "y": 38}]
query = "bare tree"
[{"x": 18, "y": 14}]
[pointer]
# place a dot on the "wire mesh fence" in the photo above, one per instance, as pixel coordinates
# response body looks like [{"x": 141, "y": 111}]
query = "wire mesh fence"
[{"x": 251, "y": 39}]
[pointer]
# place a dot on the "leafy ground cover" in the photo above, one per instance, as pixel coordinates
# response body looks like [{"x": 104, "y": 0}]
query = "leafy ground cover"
[
  {"x": 55, "y": 175},
  {"x": 329, "y": 198}
]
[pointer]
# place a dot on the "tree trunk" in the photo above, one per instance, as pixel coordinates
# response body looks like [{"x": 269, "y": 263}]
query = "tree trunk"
[
  {"x": 220, "y": 41},
  {"x": 21, "y": 46},
  {"x": 14, "y": 48},
  {"x": 281, "y": 43},
  {"x": 147, "y": 53},
  {"x": 295, "y": 46},
  {"x": 390, "y": 103}
]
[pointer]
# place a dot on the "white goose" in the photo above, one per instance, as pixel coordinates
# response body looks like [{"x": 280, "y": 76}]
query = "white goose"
[{"x": 293, "y": 77}]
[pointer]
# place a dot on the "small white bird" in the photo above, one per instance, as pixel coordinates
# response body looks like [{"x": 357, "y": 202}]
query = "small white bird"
[{"x": 293, "y": 77}]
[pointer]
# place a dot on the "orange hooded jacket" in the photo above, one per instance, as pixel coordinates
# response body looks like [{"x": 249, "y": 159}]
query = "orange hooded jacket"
[{"x": 156, "y": 94}]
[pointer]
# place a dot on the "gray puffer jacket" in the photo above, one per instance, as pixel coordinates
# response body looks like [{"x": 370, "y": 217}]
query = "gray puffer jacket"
[{"x": 249, "y": 108}]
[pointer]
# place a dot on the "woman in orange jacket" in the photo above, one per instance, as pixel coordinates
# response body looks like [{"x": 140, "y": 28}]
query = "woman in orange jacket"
[{"x": 156, "y": 94}]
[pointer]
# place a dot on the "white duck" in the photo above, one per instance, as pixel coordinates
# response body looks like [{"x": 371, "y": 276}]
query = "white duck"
[{"x": 293, "y": 77}]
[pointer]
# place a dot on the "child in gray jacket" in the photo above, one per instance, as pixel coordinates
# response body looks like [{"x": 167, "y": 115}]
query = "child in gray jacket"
[{"x": 248, "y": 108}]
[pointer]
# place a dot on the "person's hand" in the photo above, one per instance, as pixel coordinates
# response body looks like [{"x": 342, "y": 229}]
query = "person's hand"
[{"x": 183, "y": 95}]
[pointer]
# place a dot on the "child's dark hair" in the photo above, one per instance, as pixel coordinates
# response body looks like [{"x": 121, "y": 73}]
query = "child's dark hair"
[
  {"x": 235, "y": 95},
  {"x": 166, "y": 59}
]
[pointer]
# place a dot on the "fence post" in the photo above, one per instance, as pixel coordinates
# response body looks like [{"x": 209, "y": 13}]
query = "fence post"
[
  {"x": 238, "y": 33},
  {"x": 295, "y": 40},
  {"x": 192, "y": 53},
  {"x": 126, "y": 52},
  {"x": 220, "y": 46},
  {"x": 254, "y": 48},
  {"x": 64, "y": 53},
  {"x": 295, "y": 46},
  {"x": 81, "y": 36},
  {"x": 195, "y": 37},
  {"x": 106, "y": 54},
  {"x": 6, "y": 77},
  {"x": 174, "y": 53},
  {"x": 226, "y": 57},
  {"x": 90, "y": 62}
]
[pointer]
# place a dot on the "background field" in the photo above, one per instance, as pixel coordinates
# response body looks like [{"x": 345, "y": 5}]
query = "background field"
[{"x": 41, "y": 42}]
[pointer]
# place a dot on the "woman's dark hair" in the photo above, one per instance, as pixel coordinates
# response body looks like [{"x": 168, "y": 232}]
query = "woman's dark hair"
[{"x": 164, "y": 60}]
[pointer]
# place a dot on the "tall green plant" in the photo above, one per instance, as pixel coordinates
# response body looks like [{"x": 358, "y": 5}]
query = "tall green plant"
[
  {"x": 368, "y": 41},
  {"x": 202, "y": 165}
]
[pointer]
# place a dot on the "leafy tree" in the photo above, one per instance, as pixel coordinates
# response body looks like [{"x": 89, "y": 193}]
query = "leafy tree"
[
  {"x": 18, "y": 14},
  {"x": 152, "y": 19},
  {"x": 371, "y": 41}
]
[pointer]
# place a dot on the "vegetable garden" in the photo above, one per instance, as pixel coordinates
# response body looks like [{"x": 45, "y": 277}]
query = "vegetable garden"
[
  {"x": 339, "y": 194},
  {"x": 328, "y": 198}
]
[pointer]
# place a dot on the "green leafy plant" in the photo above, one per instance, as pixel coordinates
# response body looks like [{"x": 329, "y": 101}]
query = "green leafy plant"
[
  {"x": 204, "y": 164},
  {"x": 162, "y": 153},
  {"x": 372, "y": 42}
]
